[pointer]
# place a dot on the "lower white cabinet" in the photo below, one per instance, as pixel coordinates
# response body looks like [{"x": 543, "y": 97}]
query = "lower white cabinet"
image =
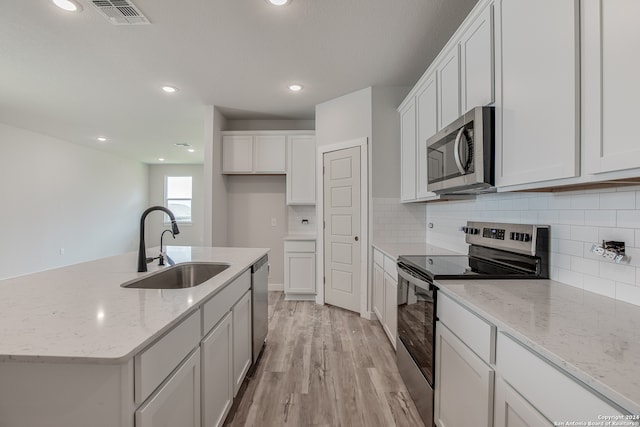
[
  {"x": 299, "y": 269},
  {"x": 216, "y": 351},
  {"x": 463, "y": 394},
  {"x": 378, "y": 292},
  {"x": 177, "y": 402},
  {"x": 385, "y": 294},
  {"x": 512, "y": 410},
  {"x": 241, "y": 314},
  {"x": 391, "y": 307}
]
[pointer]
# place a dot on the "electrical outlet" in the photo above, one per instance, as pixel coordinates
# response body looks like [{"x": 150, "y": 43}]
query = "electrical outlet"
[
  {"x": 274, "y": 222},
  {"x": 610, "y": 255},
  {"x": 61, "y": 251}
]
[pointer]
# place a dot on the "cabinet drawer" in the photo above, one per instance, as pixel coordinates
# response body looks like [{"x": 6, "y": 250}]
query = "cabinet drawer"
[
  {"x": 215, "y": 309},
  {"x": 378, "y": 257},
  {"x": 569, "y": 399},
  {"x": 156, "y": 362},
  {"x": 478, "y": 334},
  {"x": 300, "y": 246},
  {"x": 390, "y": 267}
]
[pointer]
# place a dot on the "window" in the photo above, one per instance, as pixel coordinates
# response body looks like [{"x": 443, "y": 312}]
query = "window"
[{"x": 178, "y": 197}]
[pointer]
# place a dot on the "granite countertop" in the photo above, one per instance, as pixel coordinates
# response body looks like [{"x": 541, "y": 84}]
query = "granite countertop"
[
  {"x": 300, "y": 237},
  {"x": 80, "y": 312},
  {"x": 594, "y": 338},
  {"x": 394, "y": 250}
]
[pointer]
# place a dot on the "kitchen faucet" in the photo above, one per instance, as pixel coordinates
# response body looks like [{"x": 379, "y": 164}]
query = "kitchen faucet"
[
  {"x": 162, "y": 253},
  {"x": 142, "y": 252}
]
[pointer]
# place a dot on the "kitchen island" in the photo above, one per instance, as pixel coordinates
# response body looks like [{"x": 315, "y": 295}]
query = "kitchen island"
[{"x": 77, "y": 349}]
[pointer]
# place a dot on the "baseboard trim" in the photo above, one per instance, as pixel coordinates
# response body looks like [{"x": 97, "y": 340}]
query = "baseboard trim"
[
  {"x": 369, "y": 315},
  {"x": 299, "y": 297},
  {"x": 276, "y": 287}
]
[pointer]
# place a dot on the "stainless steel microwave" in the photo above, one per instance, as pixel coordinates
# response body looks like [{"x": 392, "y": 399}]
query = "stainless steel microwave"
[{"x": 460, "y": 158}]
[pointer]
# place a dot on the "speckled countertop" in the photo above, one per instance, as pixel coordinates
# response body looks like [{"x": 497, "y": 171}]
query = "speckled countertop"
[
  {"x": 80, "y": 312},
  {"x": 594, "y": 338},
  {"x": 394, "y": 250}
]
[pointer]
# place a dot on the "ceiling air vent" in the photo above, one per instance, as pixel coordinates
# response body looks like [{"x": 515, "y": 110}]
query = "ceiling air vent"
[{"x": 120, "y": 12}]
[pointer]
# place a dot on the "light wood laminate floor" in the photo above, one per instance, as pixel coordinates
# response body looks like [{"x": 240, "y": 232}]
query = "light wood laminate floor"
[{"x": 323, "y": 366}]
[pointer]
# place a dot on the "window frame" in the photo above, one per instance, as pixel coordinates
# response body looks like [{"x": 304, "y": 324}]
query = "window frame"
[{"x": 166, "y": 199}]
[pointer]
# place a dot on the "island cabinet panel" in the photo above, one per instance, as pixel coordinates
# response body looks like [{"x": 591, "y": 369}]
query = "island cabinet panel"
[
  {"x": 610, "y": 88},
  {"x": 537, "y": 91},
  {"x": 156, "y": 362},
  {"x": 242, "y": 355},
  {"x": 218, "y": 306},
  {"x": 217, "y": 373},
  {"x": 177, "y": 402}
]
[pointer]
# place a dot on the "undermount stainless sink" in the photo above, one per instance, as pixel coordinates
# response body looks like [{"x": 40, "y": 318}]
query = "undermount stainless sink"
[{"x": 179, "y": 276}]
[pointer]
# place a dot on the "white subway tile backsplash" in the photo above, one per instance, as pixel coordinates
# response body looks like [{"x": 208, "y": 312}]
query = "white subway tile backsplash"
[
  {"x": 577, "y": 219},
  {"x": 395, "y": 222},
  {"x": 618, "y": 200}
]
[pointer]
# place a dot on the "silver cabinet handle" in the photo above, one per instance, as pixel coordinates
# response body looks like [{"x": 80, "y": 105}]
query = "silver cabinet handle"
[{"x": 456, "y": 151}]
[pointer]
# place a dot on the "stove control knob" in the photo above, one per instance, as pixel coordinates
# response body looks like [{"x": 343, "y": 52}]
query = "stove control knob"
[
  {"x": 474, "y": 231},
  {"x": 513, "y": 236},
  {"x": 465, "y": 230},
  {"x": 526, "y": 237}
]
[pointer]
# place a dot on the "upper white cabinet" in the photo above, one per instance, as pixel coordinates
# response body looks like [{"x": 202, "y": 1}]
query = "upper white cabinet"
[
  {"x": 537, "y": 76},
  {"x": 301, "y": 170},
  {"x": 448, "y": 72},
  {"x": 610, "y": 85},
  {"x": 408, "y": 152},
  {"x": 476, "y": 62},
  {"x": 244, "y": 153},
  {"x": 427, "y": 113},
  {"x": 269, "y": 153}
]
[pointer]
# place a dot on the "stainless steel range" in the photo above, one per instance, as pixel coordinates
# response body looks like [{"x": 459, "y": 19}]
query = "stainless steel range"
[{"x": 496, "y": 251}]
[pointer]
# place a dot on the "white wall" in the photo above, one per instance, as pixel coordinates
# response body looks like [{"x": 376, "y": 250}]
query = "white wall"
[
  {"x": 215, "y": 184},
  {"x": 270, "y": 125},
  {"x": 577, "y": 220},
  {"x": 253, "y": 201},
  {"x": 60, "y": 195},
  {"x": 345, "y": 118},
  {"x": 190, "y": 234}
]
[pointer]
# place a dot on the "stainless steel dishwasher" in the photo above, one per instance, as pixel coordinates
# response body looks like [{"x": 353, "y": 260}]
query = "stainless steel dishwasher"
[{"x": 259, "y": 302}]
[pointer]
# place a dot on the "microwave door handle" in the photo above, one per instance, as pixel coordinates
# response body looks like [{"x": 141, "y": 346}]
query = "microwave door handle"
[{"x": 456, "y": 152}]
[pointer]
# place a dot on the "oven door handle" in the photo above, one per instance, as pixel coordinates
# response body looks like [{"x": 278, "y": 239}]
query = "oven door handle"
[
  {"x": 414, "y": 280},
  {"x": 456, "y": 152}
]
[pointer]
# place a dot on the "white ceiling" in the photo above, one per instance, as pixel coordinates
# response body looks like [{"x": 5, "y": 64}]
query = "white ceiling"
[{"x": 75, "y": 76}]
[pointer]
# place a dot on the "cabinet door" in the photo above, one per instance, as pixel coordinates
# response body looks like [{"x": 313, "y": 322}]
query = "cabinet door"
[
  {"x": 378, "y": 292},
  {"x": 427, "y": 113},
  {"x": 300, "y": 273},
  {"x": 476, "y": 62},
  {"x": 237, "y": 154},
  {"x": 610, "y": 88},
  {"x": 391, "y": 308},
  {"x": 269, "y": 153},
  {"x": 301, "y": 170},
  {"x": 408, "y": 152},
  {"x": 217, "y": 373},
  {"x": 177, "y": 402},
  {"x": 537, "y": 118},
  {"x": 512, "y": 410},
  {"x": 448, "y": 88},
  {"x": 463, "y": 384},
  {"x": 241, "y": 340}
]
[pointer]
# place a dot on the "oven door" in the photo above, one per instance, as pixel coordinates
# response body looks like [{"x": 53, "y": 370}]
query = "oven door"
[
  {"x": 416, "y": 320},
  {"x": 457, "y": 157}
]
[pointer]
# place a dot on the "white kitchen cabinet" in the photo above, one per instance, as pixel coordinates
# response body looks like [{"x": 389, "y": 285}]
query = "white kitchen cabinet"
[
  {"x": 427, "y": 113},
  {"x": 378, "y": 292},
  {"x": 578, "y": 401},
  {"x": 299, "y": 269},
  {"x": 463, "y": 394},
  {"x": 242, "y": 356},
  {"x": 448, "y": 80},
  {"x": 610, "y": 88},
  {"x": 408, "y": 152},
  {"x": 237, "y": 154},
  {"x": 512, "y": 410},
  {"x": 301, "y": 170},
  {"x": 217, "y": 373},
  {"x": 177, "y": 401},
  {"x": 476, "y": 61},
  {"x": 537, "y": 76},
  {"x": 391, "y": 307},
  {"x": 269, "y": 153}
]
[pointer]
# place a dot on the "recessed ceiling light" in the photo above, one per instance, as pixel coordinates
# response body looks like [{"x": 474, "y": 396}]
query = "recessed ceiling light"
[
  {"x": 101, "y": 138},
  {"x": 161, "y": 159},
  {"x": 169, "y": 89},
  {"x": 68, "y": 5},
  {"x": 295, "y": 88},
  {"x": 278, "y": 2},
  {"x": 191, "y": 150}
]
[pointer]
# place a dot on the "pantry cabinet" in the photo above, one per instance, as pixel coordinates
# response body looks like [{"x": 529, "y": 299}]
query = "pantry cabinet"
[
  {"x": 610, "y": 88},
  {"x": 537, "y": 91}
]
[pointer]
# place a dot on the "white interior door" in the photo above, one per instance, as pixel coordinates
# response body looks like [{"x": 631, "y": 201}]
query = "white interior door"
[{"x": 342, "y": 232}]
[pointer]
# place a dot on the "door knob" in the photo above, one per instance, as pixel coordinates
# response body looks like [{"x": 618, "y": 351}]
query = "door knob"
[{"x": 356, "y": 238}]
